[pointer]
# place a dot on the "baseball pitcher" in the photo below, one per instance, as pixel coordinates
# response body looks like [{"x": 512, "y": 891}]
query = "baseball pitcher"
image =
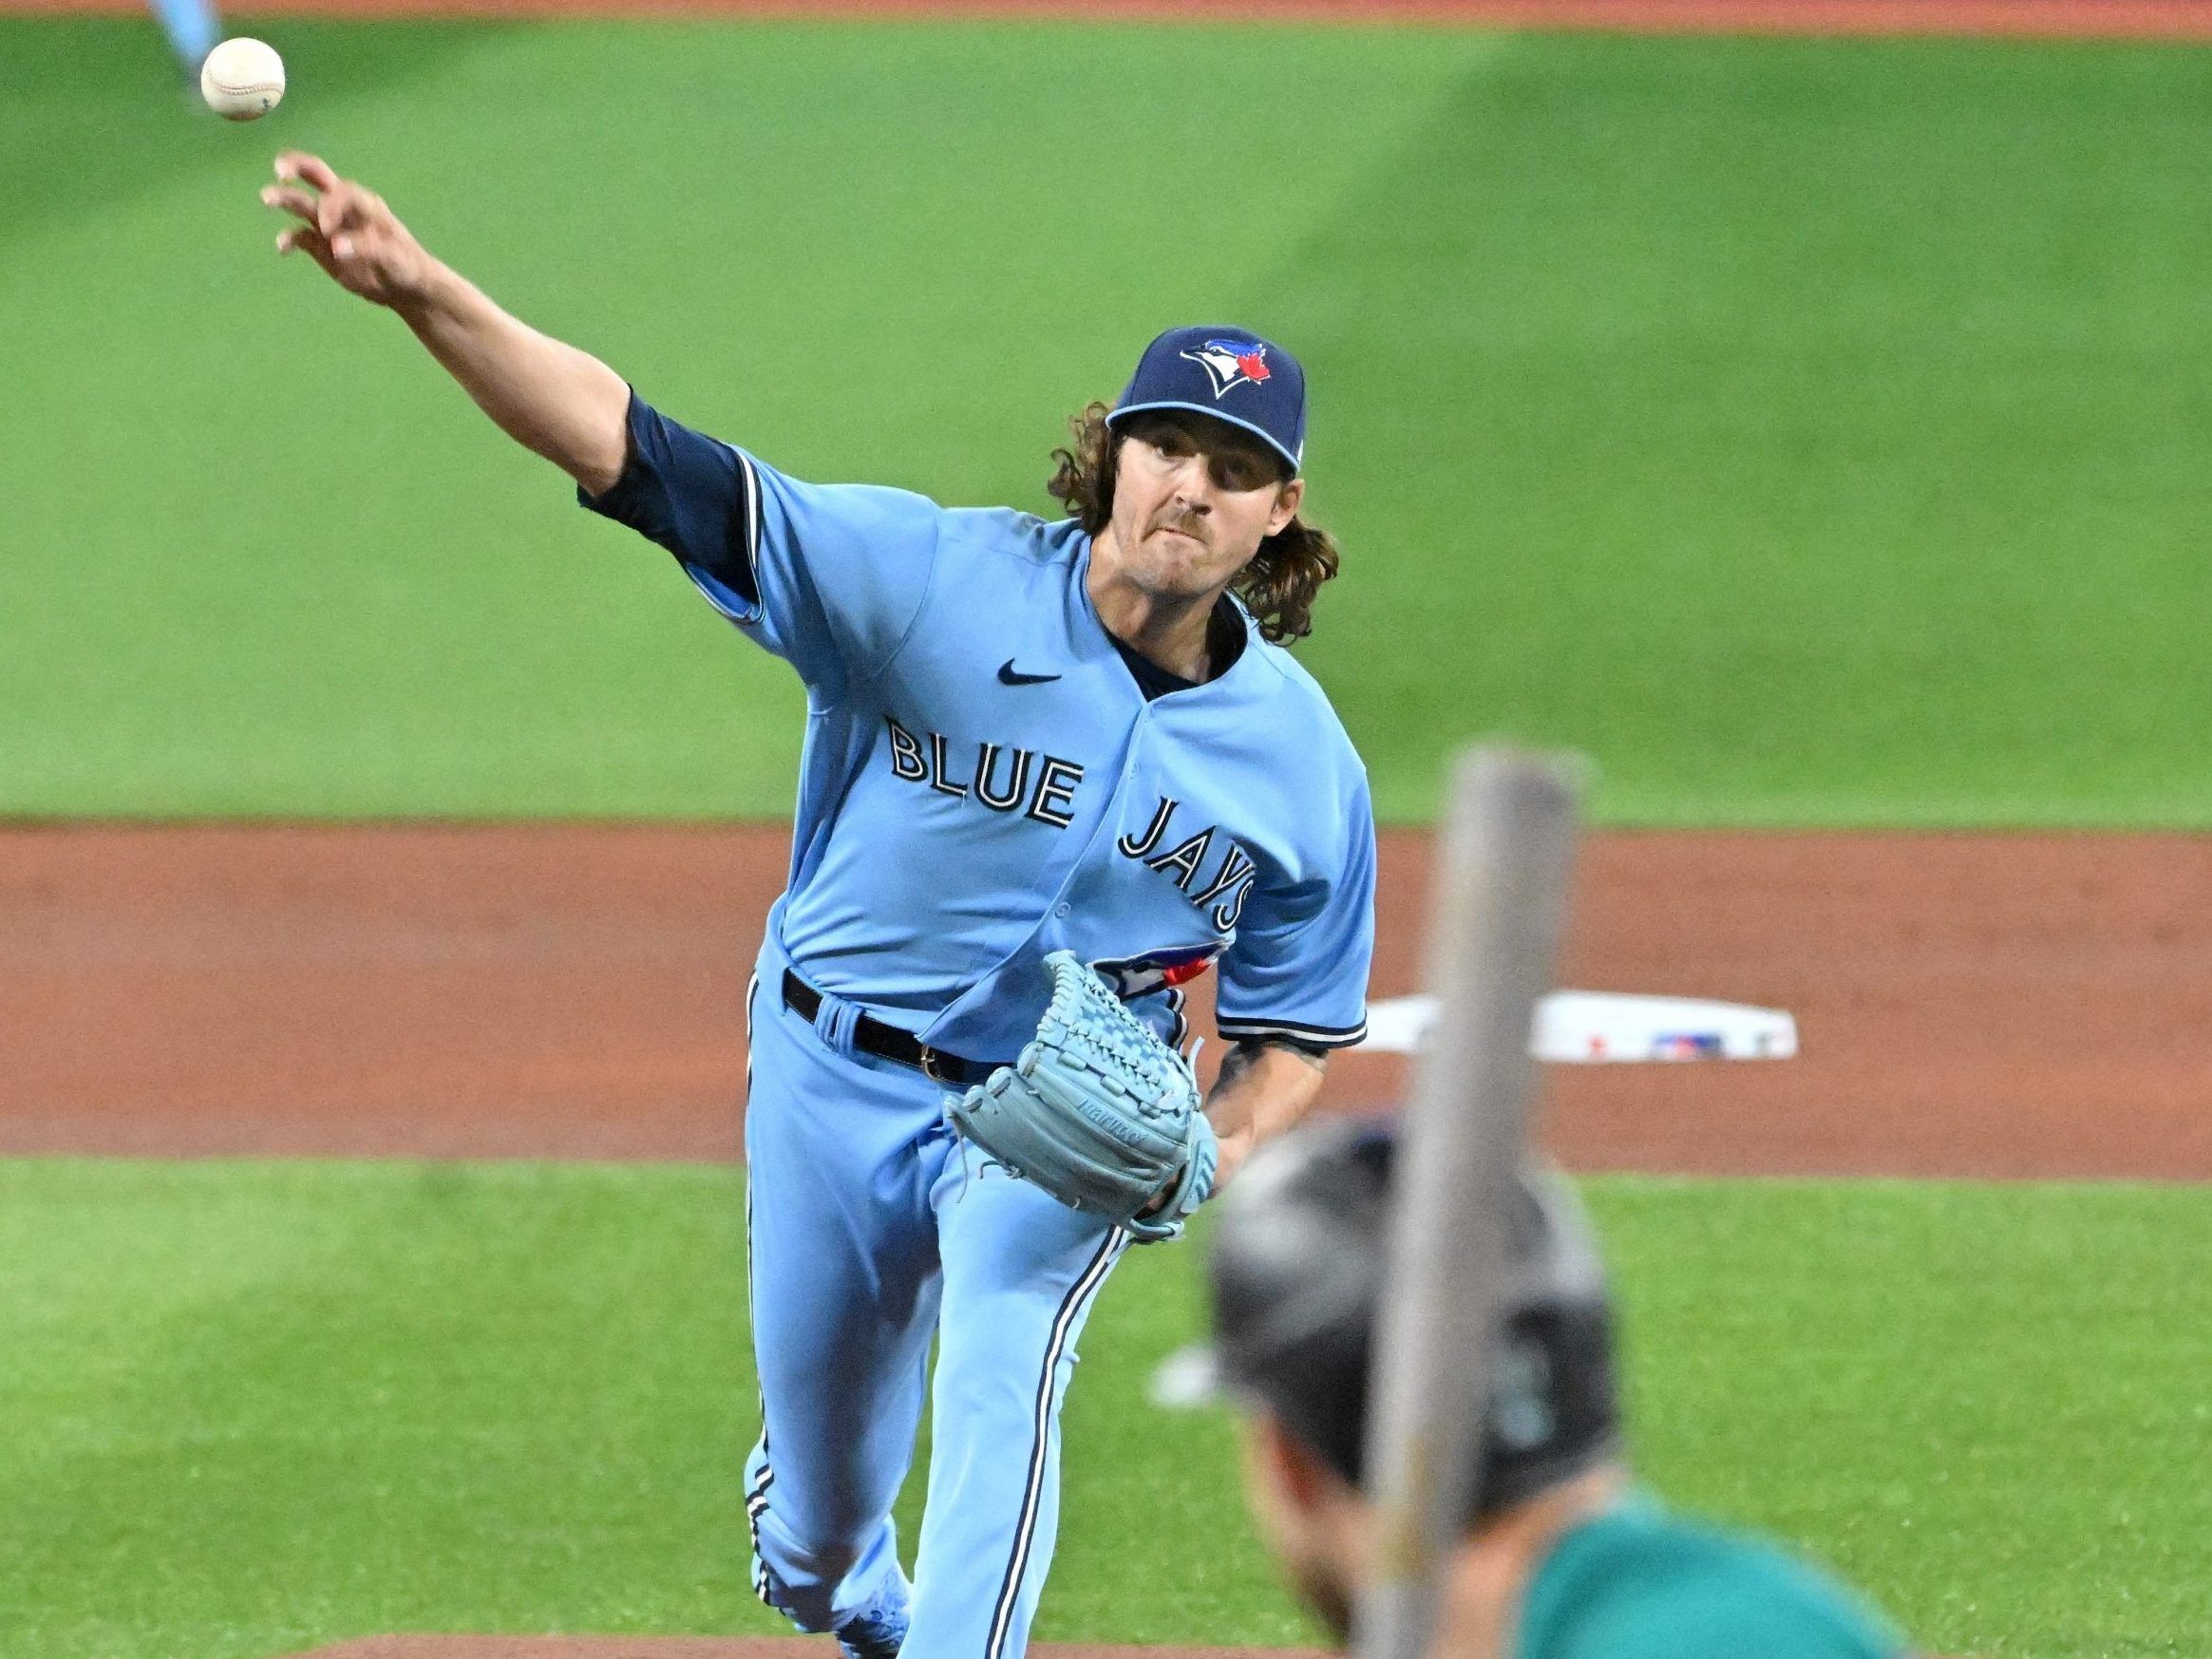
[{"x": 1054, "y": 771}]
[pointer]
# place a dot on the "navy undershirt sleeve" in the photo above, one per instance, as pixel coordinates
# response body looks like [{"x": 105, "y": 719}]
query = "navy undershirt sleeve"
[{"x": 688, "y": 492}]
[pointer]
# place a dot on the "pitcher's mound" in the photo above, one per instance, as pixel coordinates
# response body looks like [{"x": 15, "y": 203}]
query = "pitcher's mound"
[{"x": 716, "y": 1648}]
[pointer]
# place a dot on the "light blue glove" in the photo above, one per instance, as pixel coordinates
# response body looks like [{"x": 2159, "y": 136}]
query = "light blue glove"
[{"x": 1097, "y": 1111}]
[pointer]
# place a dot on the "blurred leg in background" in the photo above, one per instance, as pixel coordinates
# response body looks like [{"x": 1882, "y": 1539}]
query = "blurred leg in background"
[{"x": 192, "y": 29}]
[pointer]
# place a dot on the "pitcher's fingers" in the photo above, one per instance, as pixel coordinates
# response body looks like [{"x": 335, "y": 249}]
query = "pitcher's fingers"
[
  {"x": 297, "y": 202},
  {"x": 347, "y": 208},
  {"x": 294, "y": 164},
  {"x": 308, "y": 242},
  {"x": 333, "y": 207}
]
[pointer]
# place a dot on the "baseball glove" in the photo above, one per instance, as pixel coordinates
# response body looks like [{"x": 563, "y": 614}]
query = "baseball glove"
[{"x": 1097, "y": 1111}]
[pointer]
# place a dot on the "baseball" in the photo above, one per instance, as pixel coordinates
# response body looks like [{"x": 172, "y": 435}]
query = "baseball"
[{"x": 242, "y": 78}]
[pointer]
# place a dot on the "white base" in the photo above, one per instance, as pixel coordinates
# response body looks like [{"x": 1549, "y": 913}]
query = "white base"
[{"x": 1586, "y": 1028}]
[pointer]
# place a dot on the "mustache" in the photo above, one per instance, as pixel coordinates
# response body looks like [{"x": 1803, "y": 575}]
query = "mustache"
[{"x": 1191, "y": 524}]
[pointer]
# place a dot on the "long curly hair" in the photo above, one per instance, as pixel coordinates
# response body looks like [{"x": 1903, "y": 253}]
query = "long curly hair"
[{"x": 1278, "y": 584}]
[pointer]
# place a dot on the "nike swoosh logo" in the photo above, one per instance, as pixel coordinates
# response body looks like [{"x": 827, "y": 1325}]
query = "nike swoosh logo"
[{"x": 1009, "y": 675}]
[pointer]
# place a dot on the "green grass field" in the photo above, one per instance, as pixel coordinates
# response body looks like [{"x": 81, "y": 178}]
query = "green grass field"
[
  {"x": 1813, "y": 432},
  {"x": 255, "y": 1406}
]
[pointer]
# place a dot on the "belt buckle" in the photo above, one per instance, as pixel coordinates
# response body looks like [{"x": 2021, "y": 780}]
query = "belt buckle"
[{"x": 929, "y": 1065}]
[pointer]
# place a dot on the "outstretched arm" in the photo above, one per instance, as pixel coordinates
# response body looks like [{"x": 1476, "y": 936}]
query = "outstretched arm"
[{"x": 549, "y": 397}]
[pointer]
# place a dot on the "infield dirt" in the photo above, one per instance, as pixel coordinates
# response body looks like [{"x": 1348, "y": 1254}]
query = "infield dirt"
[{"x": 1969, "y": 1004}]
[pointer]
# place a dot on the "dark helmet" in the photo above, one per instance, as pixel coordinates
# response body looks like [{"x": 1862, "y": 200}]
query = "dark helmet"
[{"x": 1296, "y": 1273}]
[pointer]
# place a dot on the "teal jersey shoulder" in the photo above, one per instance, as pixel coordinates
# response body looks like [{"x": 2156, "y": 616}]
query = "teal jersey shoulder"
[{"x": 1639, "y": 1583}]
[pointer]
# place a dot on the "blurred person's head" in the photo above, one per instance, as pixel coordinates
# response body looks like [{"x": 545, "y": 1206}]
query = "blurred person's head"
[
  {"x": 1190, "y": 482},
  {"x": 1296, "y": 1273}
]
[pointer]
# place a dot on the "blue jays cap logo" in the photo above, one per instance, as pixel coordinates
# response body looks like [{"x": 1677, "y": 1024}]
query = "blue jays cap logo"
[
  {"x": 1231, "y": 362},
  {"x": 1271, "y": 405},
  {"x": 1135, "y": 976}
]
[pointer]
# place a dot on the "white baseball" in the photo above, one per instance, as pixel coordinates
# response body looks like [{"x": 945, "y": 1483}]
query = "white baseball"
[{"x": 242, "y": 78}]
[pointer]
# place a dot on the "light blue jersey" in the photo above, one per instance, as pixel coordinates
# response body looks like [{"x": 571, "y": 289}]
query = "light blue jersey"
[{"x": 985, "y": 781}]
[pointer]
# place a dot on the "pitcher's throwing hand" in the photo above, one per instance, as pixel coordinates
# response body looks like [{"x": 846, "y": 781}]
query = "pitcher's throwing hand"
[{"x": 346, "y": 229}]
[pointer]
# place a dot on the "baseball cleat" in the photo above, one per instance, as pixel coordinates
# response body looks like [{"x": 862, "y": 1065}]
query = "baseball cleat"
[{"x": 875, "y": 1634}]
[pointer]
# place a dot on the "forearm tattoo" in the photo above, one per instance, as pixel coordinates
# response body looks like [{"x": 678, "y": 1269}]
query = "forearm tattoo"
[{"x": 1243, "y": 1056}]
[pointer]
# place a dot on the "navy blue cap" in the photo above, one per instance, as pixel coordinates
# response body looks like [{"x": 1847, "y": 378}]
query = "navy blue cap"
[{"x": 1231, "y": 374}]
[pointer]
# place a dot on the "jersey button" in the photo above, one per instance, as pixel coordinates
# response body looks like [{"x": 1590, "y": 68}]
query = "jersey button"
[{"x": 1062, "y": 908}]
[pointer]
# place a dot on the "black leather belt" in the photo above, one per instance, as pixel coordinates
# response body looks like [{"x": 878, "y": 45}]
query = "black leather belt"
[{"x": 871, "y": 1036}]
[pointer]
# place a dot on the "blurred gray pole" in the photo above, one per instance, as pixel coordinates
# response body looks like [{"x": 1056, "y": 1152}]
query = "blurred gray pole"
[{"x": 1500, "y": 901}]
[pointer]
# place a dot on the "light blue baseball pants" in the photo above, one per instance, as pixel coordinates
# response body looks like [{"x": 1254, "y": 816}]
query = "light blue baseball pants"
[{"x": 869, "y": 1234}]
